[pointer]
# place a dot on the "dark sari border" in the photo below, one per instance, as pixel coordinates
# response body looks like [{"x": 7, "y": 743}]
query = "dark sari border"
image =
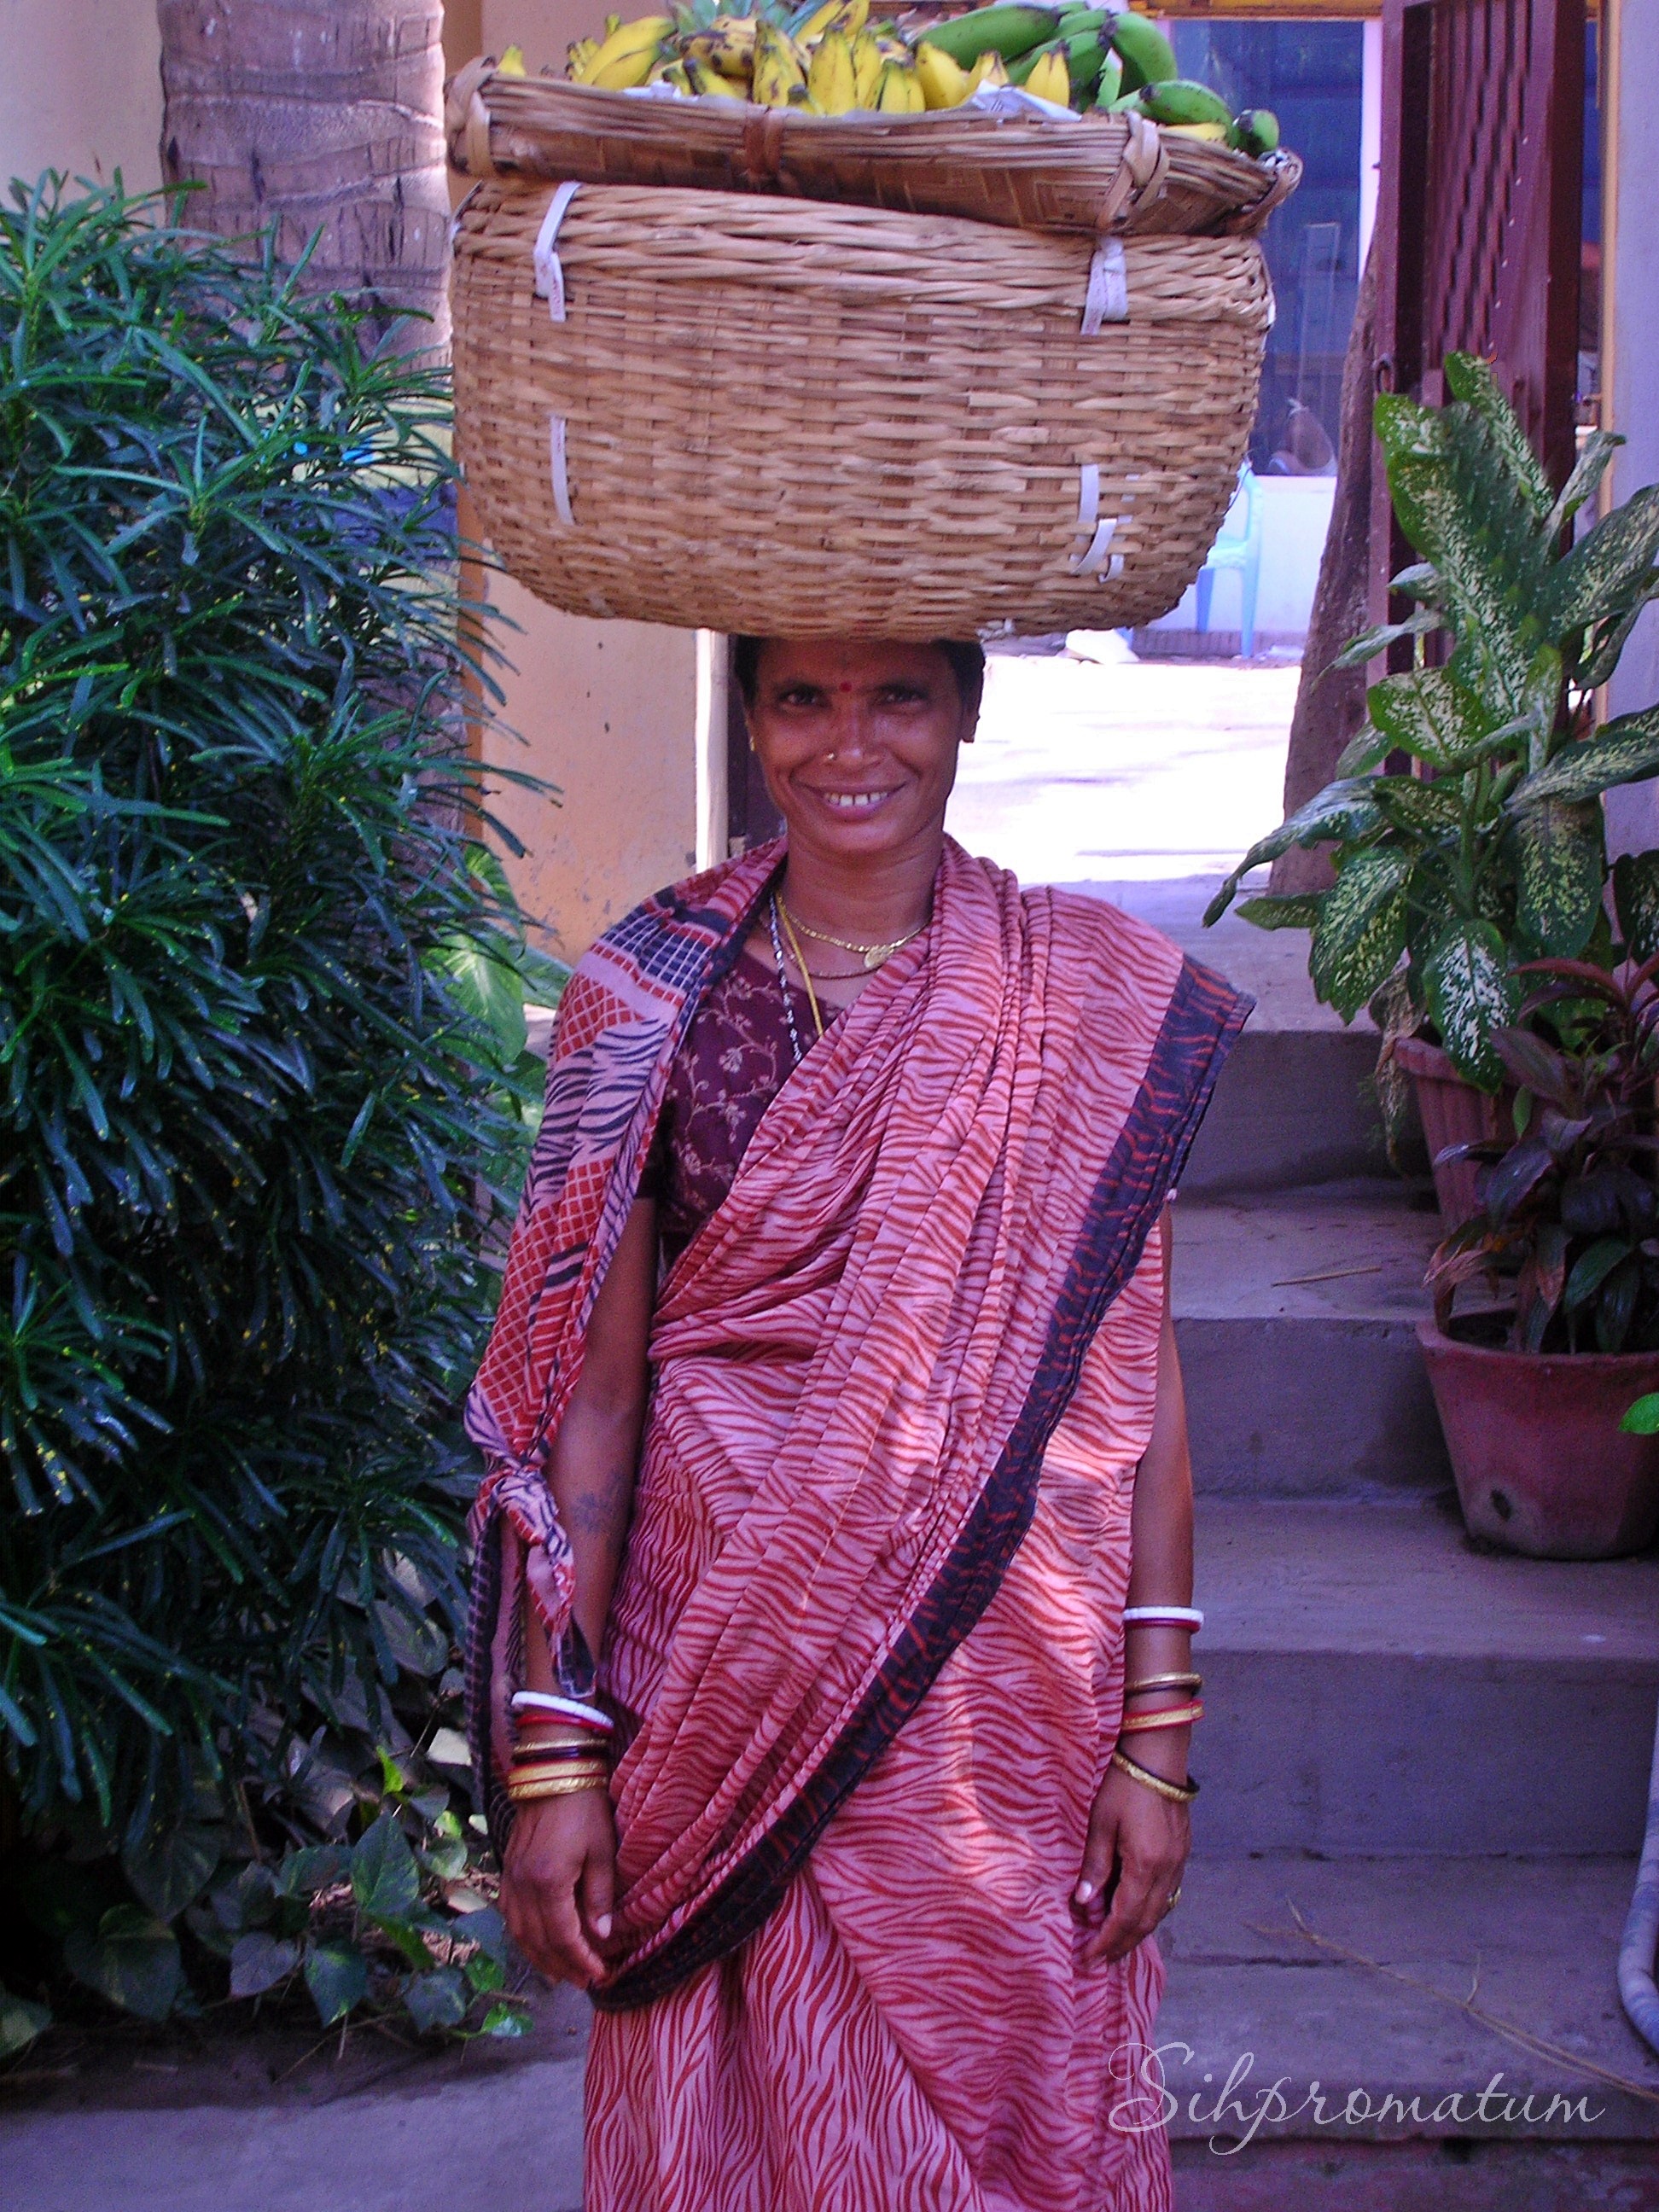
[{"x": 1199, "y": 1027}]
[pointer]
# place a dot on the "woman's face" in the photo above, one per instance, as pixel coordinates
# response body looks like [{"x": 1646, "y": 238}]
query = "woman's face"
[{"x": 858, "y": 741}]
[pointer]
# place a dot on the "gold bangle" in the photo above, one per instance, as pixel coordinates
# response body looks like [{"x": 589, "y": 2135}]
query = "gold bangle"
[
  {"x": 1182, "y": 1793},
  {"x": 1162, "y": 1716},
  {"x": 591, "y": 1769},
  {"x": 558, "y": 1785},
  {"x": 1193, "y": 1682}
]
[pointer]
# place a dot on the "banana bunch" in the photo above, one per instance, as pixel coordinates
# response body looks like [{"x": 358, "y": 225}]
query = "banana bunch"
[{"x": 827, "y": 57}]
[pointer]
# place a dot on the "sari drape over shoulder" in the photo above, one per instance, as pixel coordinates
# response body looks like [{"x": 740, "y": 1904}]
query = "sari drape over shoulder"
[{"x": 867, "y": 1637}]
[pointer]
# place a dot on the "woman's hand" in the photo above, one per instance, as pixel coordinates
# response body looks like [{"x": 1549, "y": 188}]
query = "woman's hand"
[
  {"x": 1138, "y": 1844},
  {"x": 559, "y": 1883}
]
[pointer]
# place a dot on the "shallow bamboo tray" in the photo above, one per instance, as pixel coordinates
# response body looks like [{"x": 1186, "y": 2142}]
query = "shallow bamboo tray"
[
  {"x": 1096, "y": 174},
  {"x": 785, "y": 417}
]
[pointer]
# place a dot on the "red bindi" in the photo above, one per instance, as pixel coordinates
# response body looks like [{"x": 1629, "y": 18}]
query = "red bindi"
[{"x": 846, "y": 687}]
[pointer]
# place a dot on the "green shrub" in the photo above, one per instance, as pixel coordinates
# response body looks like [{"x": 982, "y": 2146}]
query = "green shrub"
[{"x": 249, "y": 1099}]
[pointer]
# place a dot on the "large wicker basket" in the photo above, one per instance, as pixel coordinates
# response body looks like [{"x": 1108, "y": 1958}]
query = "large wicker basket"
[
  {"x": 794, "y": 418},
  {"x": 1095, "y": 174}
]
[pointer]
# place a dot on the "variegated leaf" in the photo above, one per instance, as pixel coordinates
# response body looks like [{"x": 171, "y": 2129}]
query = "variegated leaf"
[
  {"x": 1587, "y": 471},
  {"x": 1470, "y": 992},
  {"x": 1471, "y": 379},
  {"x": 1342, "y": 813},
  {"x": 1622, "y": 752},
  {"x": 1418, "y": 808},
  {"x": 1361, "y": 931},
  {"x": 1636, "y": 899},
  {"x": 1605, "y": 569},
  {"x": 1430, "y": 715},
  {"x": 1284, "y": 909},
  {"x": 1560, "y": 864}
]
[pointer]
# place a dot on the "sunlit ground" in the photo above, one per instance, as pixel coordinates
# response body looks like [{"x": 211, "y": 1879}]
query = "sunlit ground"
[{"x": 1125, "y": 770}]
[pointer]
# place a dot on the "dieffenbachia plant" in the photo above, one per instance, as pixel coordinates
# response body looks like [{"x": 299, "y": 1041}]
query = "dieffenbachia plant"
[{"x": 1488, "y": 851}]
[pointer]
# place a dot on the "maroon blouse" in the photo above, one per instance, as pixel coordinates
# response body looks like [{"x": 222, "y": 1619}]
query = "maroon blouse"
[{"x": 735, "y": 1058}]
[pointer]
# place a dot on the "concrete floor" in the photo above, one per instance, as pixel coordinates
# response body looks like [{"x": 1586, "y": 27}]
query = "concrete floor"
[{"x": 1135, "y": 770}]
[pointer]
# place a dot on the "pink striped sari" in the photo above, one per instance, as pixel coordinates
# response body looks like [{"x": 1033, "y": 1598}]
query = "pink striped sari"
[{"x": 868, "y": 1632}]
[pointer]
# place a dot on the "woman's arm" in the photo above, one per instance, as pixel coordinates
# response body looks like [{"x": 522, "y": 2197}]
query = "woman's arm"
[
  {"x": 558, "y": 1882},
  {"x": 1139, "y": 1841}
]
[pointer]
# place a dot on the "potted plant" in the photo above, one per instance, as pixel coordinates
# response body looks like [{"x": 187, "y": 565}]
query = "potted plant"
[
  {"x": 1533, "y": 1389},
  {"x": 1479, "y": 845}
]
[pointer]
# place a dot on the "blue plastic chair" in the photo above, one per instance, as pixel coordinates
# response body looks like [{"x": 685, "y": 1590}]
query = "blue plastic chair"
[{"x": 1240, "y": 549}]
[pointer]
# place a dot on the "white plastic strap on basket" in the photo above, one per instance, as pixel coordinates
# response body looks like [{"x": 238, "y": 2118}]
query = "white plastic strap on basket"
[
  {"x": 556, "y": 439},
  {"x": 1098, "y": 528},
  {"x": 550, "y": 276},
  {"x": 1107, "y": 300}
]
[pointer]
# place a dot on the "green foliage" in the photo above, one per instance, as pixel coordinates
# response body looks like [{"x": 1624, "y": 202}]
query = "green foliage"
[
  {"x": 257, "y": 1108},
  {"x": 1568, "y": 1219},
  {"x": 1489, "y": 852}
]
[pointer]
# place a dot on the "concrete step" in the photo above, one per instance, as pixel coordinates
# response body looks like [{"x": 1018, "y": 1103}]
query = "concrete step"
[
  {"x": 1295, "y": 1312},
  {"x": 1291, "y": 1106},
  {"x": 1280, "y": 2054},
  {"x": 1374, "y": 1685}
]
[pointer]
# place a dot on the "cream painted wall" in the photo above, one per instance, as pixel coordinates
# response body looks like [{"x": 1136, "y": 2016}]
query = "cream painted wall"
[
  {"x": 607, "y": 711},
  {"x": 81, "y": 90}
]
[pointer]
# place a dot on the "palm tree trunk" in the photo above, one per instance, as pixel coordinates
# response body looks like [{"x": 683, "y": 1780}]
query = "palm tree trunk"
[
  {"x": 1330, "y": 703},
  {"x": 319, "y": 115}
]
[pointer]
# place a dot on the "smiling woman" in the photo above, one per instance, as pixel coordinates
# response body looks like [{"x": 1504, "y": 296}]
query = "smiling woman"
[{"x": 834, "y": 1405}]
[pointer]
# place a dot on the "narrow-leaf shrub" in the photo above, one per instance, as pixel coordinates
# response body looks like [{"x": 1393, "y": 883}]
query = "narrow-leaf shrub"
[{"x": 248, "y": 1102}]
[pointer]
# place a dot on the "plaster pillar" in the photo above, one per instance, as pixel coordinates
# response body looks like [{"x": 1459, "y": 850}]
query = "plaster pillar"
[{"x": 1630, "y": 346}]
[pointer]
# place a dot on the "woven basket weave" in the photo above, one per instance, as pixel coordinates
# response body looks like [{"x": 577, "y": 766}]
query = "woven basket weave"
[
  {"x": 796, "y": 418},
  {"x": 1101, "y": 174}
]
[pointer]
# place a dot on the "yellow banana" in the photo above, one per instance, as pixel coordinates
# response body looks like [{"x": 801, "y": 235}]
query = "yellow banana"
[
  {"x": 868, "y": 66},
  {"x": 989, "y": 69},
  {"x": 708, "y": 83},
  {"x": 1217, "y": 134},
  {"x": 626, "y": 57},
  {"x": 580, "y": 58},
  {"x": 512, "y": 63},
  {"x": 829, "y": 79},
  {"x": 612, "y": 25},
  {"x": 674, "y": 73},
  {"x": 728, "y": 44},
  {"x": 778, "y": 71},
  {"x": 1051, "y": 80},
  {"x": 943, "y": 83},
  {"x": 898, "y": 93}
]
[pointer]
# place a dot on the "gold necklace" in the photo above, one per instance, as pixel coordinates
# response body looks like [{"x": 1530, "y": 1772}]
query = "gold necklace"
[{"x": 873, "y": 955}]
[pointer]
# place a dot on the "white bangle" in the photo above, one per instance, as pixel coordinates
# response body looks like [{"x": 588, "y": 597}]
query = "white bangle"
[
  {"x": 539, "y": 1701},
  {"x": 1165, "y": 1616}
]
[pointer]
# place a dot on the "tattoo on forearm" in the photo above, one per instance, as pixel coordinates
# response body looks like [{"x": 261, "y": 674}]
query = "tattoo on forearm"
[{"x": 602, "y": 1509}]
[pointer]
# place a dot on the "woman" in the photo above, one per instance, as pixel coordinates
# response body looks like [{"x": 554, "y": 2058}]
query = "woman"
[{"x": 834, "y": 1405}]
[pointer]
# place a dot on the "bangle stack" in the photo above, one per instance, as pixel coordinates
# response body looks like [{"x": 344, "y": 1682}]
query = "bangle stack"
[
  {"x": 561, "y": 1745},
  {"x": 1188, "y": 1706}
]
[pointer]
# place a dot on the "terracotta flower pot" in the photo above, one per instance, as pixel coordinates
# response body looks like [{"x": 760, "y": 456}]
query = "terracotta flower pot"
[
  {"x": 1454, "y": 1112},
  {"x": 1541, "y": 1464}
]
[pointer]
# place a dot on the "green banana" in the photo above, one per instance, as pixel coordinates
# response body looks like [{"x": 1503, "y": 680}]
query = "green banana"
[
  {"x": 1011, "y": 28},
  {"x": 1183, "y": 101},
  {"x": 1256, "y": 131},
  {"x": 1148, "y": 57},
  {"x": 1084, "y": 54},
  {"x": 1111, "y": 81}
]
